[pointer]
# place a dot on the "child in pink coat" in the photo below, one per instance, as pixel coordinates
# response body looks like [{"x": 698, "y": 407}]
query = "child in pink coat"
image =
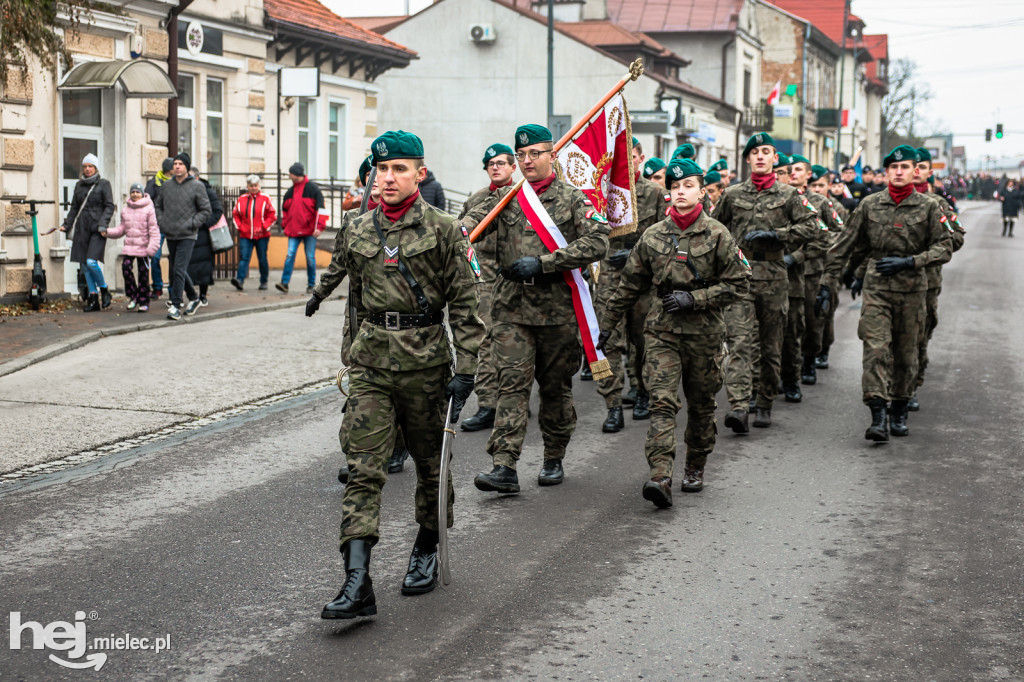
[{"x": 141, "y": 240}]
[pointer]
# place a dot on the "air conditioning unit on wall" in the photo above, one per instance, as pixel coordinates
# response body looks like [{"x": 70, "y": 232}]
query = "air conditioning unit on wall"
[{"x": 482, "y": 33}]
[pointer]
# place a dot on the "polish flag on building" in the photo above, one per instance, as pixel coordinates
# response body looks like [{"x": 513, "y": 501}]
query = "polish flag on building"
[
  {"x": 599, "y": 162},
  {"x": 773, "y": 96}
]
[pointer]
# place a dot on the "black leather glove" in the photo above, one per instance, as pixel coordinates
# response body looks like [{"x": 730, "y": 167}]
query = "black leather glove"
[
  {"x": 856, "y": 286},
  {"x": 524, "y": 269},
  {"x": 677, "y": 302},
  {"x": 618, "y": 259},
  {"x": 602, "y": 339},
  {"x": 890, "y": 265},
  {"x": 848, "y": 278},
  {"x": 588, "y": 273},
  {"x": 313, "y": 305},
  {"x": 459, "y": 388},
  {"x": 762, "y": 234},
  {"x": 789, "y": 260},
  {"x": 823, "y": 301}
]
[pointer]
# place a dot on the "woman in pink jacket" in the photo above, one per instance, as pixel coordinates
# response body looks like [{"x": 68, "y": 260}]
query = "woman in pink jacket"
[{"x": 141, "y": 240}]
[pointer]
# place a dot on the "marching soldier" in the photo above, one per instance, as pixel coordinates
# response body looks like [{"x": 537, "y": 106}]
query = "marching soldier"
[
  {"x": 534, "y": 331},
  {"x": 654, "y": 170},
  {"x": 649, "y": 202},
  {"x": 764, "y": 217},
  {"x": 714, "y": 187},
  {"x": 695, "y": 267},
  {"x": 407, "y": 261},
  {"x": 500, "y": 164},
  {"x": 899, "y": 233},
  {"x": 822, "y": 184}
]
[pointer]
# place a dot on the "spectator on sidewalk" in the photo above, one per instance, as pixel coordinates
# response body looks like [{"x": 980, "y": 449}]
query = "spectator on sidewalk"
[
  {"x": 254, "y": 215},
  {"x": 299, "y": 215},
  {"x": 432, "y": 192},
  {"x": 141, "y": 240},
  {"x": 200, "y": 266},
  {"x": 182, "y": 207},
  {"x": 153, "y": 189},
  {"x": 92, "y": 206}
]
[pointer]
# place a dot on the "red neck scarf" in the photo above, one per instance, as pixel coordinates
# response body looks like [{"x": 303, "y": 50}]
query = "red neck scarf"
[
  {"x": 763, "y": 182},
  {"x": 923, "y": 188},
  {"x": 684, "y": 220},
  {"x": 541, "y": 185},
  {"x": 371, "y": 204},
  {"x": 395, "y": 212},
  {"x": 636, "y": 176},
  {"x": 898, "y": 194},
  {"x": 494, "y": 187}
]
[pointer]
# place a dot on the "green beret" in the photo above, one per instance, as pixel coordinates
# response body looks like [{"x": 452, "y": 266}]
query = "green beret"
[
  {"x": 796, "y": 158},
  {"x": 678, "y": 169},
  {"x": 531, "y": 134},
  {"x": 818, "y": 172},
  {"x": 496, "y": 149},
  {"x": 712, "y": 177},
  {"x": 364, "y": 169},
  {"x": 720, "y": 165},
  {"x": 653, "y": 165},
  {"x": 902, "y": 153},
  {"x": 684, "y": 151},
  {"x": 396, "y": 144},
  {"x": 635, "y": 142},
  {"x": 783, "y": 161},
  {"x": 758, "y": 140},
  {"x": 923, "y": 154}
]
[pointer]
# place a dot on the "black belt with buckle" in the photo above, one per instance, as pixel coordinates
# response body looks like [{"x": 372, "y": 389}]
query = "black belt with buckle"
[
  {"x": 539, "y": 280},
  {"x": 394, "y": 322}
]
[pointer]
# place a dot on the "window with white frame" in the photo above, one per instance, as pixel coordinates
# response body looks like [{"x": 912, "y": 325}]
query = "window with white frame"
[
  {"x": 214, "y": 129},
  {"x": 186, "y": 112},
  {"x": 337, "y": 120},
  {"x": 307, "y": 134}
]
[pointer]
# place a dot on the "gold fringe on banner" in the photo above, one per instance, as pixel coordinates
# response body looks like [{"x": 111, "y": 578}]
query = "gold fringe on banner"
[{"x": 601, "y": 369}]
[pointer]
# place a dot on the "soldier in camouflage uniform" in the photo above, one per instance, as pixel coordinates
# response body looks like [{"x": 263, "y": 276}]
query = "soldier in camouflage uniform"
[
  {"x": 899, "y": 232},
  {"x": 822, "y": 185},
  {"x": 713, "y": 186},
  {"x": 764, "y": 217},
  {"x": 407, "y": 262},
  {"x": 695, "y": 267},
  {"x": 649, "y": 202},
  {"x": 500, "y": 164},
  {"x": 654, "y": 170},
  {"x": 535, "y": 332}
]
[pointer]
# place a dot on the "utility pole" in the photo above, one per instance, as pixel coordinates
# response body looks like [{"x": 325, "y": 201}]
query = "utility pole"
[
  {"x": 551, "y": 61},
  {"x": 842, "y": 77},
  {"x": 913, "y": 98}
]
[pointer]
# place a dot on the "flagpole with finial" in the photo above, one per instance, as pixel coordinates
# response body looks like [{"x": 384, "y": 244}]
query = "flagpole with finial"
[{"x": 636, "y": 69}]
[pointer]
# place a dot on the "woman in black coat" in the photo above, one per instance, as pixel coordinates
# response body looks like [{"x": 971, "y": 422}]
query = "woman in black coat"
[
  {"x": 1011, "y": 198},
  {"x": 92, "y": 206},
  {"x": 200, "y": 268}
]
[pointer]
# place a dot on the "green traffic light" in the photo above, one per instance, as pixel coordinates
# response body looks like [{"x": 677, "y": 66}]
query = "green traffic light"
[{"x": 999, "y": 131}]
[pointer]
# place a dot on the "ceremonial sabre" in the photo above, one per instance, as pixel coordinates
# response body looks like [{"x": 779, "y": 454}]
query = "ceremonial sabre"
[{"x": 442, "y": 498}]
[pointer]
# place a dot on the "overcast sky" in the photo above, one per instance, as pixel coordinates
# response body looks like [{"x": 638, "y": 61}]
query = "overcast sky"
[{"x": 969, "y": 52}]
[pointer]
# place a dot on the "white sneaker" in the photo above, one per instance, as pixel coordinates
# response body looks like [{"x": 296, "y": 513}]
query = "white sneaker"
[
  {"x": 131, "y": 305},
  {"x": 192, "y": 307},
  {"x": 173, "y": 314},
  {"x": 203, "y": 302}
]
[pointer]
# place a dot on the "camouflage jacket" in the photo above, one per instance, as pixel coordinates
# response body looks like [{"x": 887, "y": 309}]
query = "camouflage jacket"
[
  {"x": 743, "y": 209},
  {"x": 586, "y": 234},
  {"x": 879, "y": 228},
  {"x": 486, "y": 246},
  {"x": 812, "y": 254},
  {"x": 957, "y": 237},
  {"x": 662, "y": 259},
  {"x": 336, "y": 271},
  {"x": 431, "y": 244}
]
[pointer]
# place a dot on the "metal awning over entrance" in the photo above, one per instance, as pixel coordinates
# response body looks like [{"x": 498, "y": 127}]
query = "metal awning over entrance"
[{"x": 138, "y": 77}]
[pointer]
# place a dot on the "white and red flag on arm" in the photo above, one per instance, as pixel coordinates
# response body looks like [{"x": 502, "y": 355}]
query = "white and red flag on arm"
[
  {"x": 775, "y": 93},
  {"x": 540, "y": 220},
  {"x": 598, "y": 161}
]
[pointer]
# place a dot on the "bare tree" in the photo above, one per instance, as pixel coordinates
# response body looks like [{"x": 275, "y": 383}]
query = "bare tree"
[
  {"x": 27, "y": 29},
  {"x": 902, "y": 106}
]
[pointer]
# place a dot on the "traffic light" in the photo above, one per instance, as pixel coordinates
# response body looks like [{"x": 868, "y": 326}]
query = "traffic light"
[
  {"x": 988, "y": 134},
  {"x": 999, "y": 131}
]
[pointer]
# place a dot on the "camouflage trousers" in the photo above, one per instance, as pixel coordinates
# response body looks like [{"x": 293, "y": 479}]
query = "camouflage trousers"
[
  {"x": 792, "y": 342},
  {"x": 629, "y": 332},
  {"x": 891, "y": 325},
  {"x": 755, "y": 326},
  {"x": 486, "y": 374},
  {"x": 695, "y": 362},
  {"x": 814, "y": 326},
  {"x": 552, "y": 354},
  {"x": 931, "y": 321},
  {"x": 380, "y": 401},
  {"x": 346, "y": 347},
  {"x": 828, "y": 325}
]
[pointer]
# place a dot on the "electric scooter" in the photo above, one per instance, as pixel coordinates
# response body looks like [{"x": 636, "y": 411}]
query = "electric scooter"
[{"x": 37, "y": 294}]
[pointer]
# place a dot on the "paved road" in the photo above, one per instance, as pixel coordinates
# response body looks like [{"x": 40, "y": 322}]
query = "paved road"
[{"x": 811, "y": 554}]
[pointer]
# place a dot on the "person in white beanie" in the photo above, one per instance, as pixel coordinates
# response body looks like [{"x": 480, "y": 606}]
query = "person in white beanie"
[{"x": 92, "y": 206}]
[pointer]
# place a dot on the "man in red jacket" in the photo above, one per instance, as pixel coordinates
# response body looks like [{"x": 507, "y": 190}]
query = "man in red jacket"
[
  {"x": 253, "y": 215},
  {"x": 300, "y": 210}
]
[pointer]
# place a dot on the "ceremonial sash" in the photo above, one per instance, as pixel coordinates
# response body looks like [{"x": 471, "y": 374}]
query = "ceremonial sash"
[{"x": 582, "y": 304}]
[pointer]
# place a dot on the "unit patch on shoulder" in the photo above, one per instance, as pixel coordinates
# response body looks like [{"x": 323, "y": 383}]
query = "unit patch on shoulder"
[
  {"x": 743, "y": 259},
  {"x": 473, "y": 262},
  {"x": 596, "y": 217},
  {"x": 822, "y": 225},
  {"x": 835, "y": 217}
]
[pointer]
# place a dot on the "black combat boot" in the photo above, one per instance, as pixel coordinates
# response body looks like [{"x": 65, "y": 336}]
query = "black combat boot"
[
  {"x": 793, "y": 393},
  {"x": 585, "y": 373},
  {"x": 763, "y": 418},
  {"x": 821, "y": 362},
  {"x": 105, "y": 298},
  {"x": 551, "y": 473},
  {"x": 356, "y": 597},
  {"x": 397, "y": 462},
  {"x": 422, "y": 574},
  {"x": 879, "y": 429},
  {"x": 913, "y": 405},
  {"x": 92, "y": 304},
  {"x": 501, "y": 479},
  {"x": 659, "y": 491},
  {"x": 343, "y": 473},
  {"x": 642, "y": 409},
  {"x": 693, "y": 479},
  {"x": 737, "y": 421},
  {"x": 630, "y": 398},
  {"x": 809, "y": 373},
  {"x": 614, "y": 423},
  {"x": 898, "y": 418},
  {"x": 483, "y": 419}
]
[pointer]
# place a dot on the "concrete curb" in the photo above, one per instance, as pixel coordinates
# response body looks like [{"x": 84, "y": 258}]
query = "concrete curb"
[{"x": 47, "y": 352}]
